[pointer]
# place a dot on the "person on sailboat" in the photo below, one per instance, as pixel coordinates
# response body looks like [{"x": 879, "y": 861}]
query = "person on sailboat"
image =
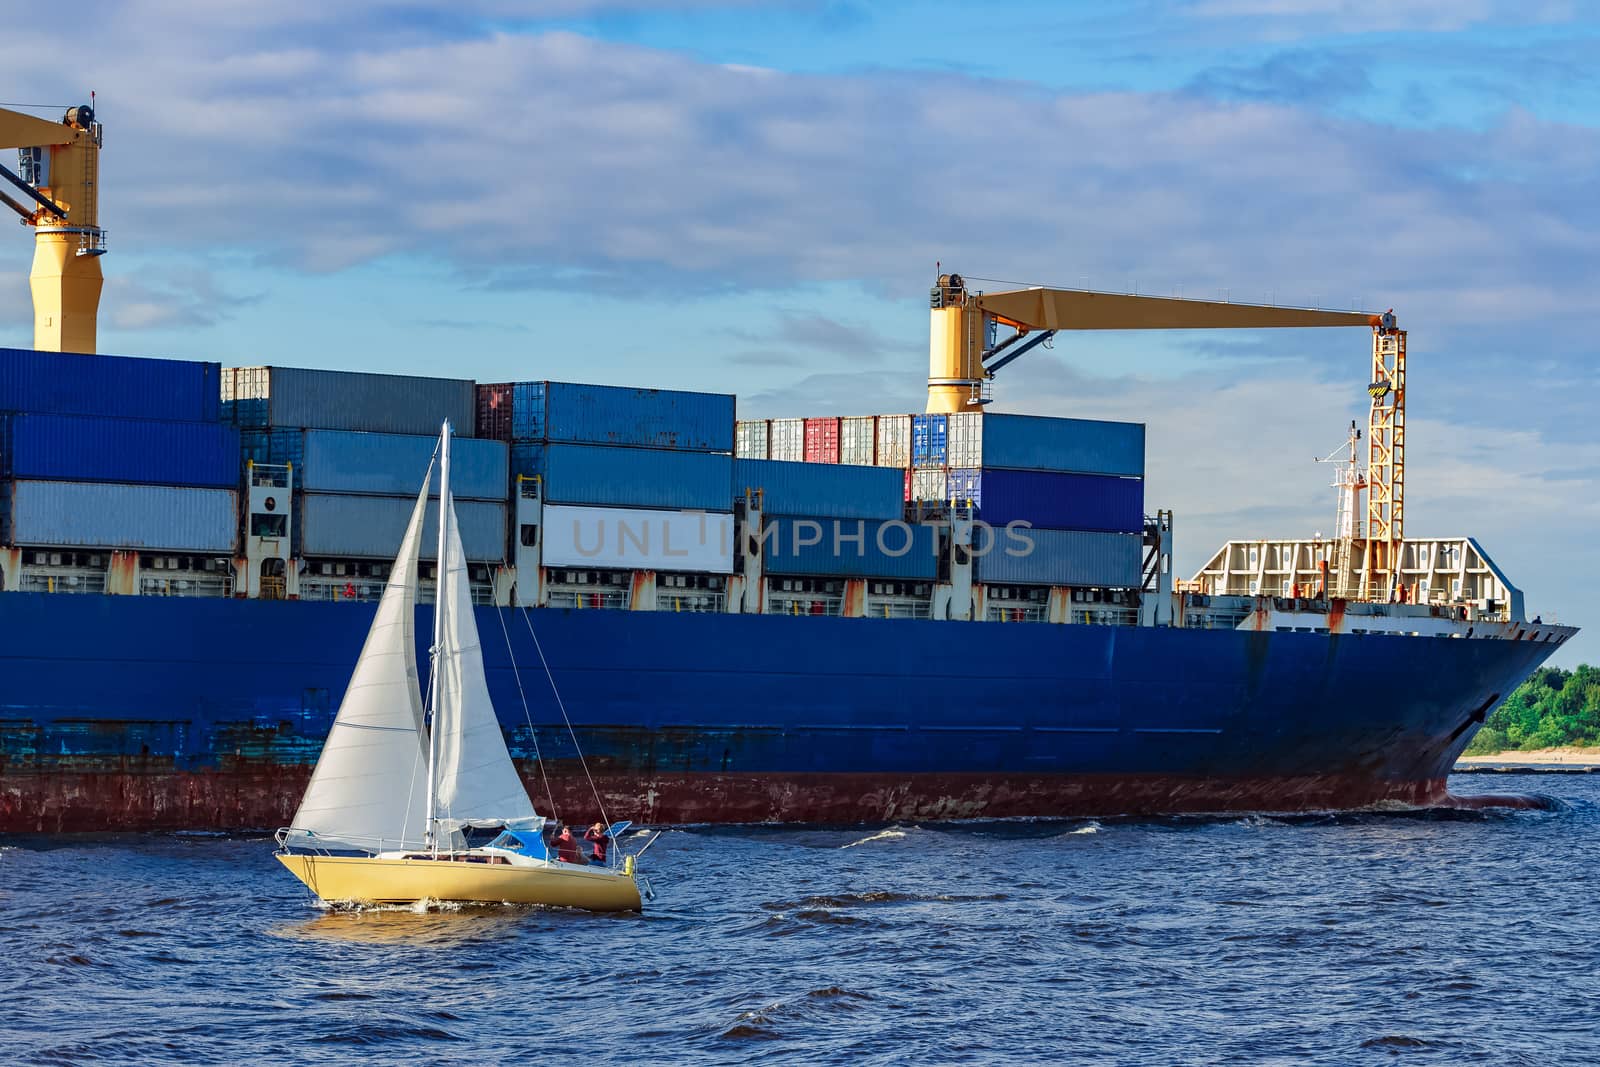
[
  {"x": 596, "y": 835},
  {"x": 567, "y": 846}
]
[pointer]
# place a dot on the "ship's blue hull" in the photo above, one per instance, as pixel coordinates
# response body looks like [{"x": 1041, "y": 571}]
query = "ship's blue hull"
[{"x": 138, "y": 712}]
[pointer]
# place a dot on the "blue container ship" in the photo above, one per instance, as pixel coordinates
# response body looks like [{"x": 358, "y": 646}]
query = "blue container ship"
[{"x": 913, "y": 616}]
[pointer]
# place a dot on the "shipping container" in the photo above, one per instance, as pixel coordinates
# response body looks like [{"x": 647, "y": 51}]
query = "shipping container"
[
  {"x": 851, "y": 548},
  {"x": 1059, "y": 557},
  {"x": 638, "y": 477},
  {"x": 858, "y": 440},
  {"x": 370, "y": 527},
  {"x": 964, "y": 486},
  {"x": 966, "y": 439},
  {"x": 127, "y": 517},
  {"x": 699, "y": 542},
  {"x": 907, "y": 473},
  {"x": 66, "y": 383},
  {"x": 86, "y": 448},
  {"x": 353, "y": 400},
  {"x": 894, "y": 441},
  {"x": 618, "y": 415},
  {"x": 1061, "y": 501},
  {"x": 929, "y": 440},
  {"x": 527, "y": 461},
  {"x": 928, "y": 485},
  {"x": 386, "y": 464},
  {"x": 822, "y": 440},
  {"x": 494, "y": 411},
  {"x": 1030, "y": 442},
  {"x": 750, "y": 439},
  {"x": 822, "y": 489},
  {"x": 787, "y": 440}
]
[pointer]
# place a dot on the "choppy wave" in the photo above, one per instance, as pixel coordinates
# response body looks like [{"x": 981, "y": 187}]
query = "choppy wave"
[{"x": 1446, "y": 936}]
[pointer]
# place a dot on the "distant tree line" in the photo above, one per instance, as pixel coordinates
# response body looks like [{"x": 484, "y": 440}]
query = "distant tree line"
[{"x": 1552, "y": 708}]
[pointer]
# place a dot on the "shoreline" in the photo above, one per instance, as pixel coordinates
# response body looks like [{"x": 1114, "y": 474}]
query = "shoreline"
[{"x": 1566, "y": 758}]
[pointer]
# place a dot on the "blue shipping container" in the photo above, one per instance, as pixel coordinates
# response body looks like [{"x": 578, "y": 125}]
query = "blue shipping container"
[
  {"x": 85, "y": 448},
  {"x": 835, "y": 490},
  {"x": 1060, "y": 501},
  {"x": 1031, "y": 442},
  {"x": 65, "y": 383},
  {"x": 527, "y": 460},
  {"x": 637, "y": 477},
  {"x": 930, "y": 440},
  {"x": 384, "y": 464},
  {"x": 616, "y": 415},
  {"x": 851, "y": 548},
  {"x": 370, "y": 527},
  {"x": 98, "y": 515},
  {"x": 1059, "y": 557}
]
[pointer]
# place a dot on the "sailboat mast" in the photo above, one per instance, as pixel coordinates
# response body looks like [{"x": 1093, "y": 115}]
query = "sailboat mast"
[{"x": 440, "y": 568}]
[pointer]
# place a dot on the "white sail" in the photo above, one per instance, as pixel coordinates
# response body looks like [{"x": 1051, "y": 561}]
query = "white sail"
[
  {"x": 477, "y": 782},
  {"x": 368, "y": 790}
]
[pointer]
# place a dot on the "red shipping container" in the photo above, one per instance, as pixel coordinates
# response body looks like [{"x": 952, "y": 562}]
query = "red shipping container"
[
  {"x": 494, "y": 412},
  {"x": 822, "y": 440},
  {"x": 908, "y": 487}
]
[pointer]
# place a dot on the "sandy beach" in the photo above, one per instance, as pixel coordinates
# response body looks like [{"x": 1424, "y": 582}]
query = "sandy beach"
[{"x": 1543, "y": 757}]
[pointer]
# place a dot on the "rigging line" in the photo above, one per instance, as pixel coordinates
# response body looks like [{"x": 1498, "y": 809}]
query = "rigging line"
[
  {"x": 528, "y": 716},
  {"x": 566, "y": 718}
]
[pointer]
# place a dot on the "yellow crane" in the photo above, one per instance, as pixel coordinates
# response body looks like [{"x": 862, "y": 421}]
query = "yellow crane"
[
  {"x": 964, "y": 354},
  {"x": 59, "y": 180}
]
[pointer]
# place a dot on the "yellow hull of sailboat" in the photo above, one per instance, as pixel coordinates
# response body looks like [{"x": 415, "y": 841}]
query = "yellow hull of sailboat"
[{"x": 373, "y": 880}]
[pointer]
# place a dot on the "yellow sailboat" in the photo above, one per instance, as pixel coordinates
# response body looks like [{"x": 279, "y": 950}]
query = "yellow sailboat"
[{"x": 396, "y": 791}]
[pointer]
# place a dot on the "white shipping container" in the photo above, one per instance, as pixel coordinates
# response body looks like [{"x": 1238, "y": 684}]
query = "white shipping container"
[
  {"x": 636, "y": 539},
  {"x": 858, "y": 440},
  {"x": 894, "y": 441},
  {"x": 750, "y": 439},
  {"x": 965, "y": 440},
  {"x": 787, "y": 440},
  {"x": 928, "y": 484}
]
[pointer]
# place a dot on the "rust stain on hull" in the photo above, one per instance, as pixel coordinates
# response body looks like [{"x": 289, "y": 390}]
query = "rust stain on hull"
[{"x": 265, "y": 797}]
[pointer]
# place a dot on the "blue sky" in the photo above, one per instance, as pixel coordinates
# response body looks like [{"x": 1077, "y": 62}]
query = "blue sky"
[{"x": 751, "y": 197}]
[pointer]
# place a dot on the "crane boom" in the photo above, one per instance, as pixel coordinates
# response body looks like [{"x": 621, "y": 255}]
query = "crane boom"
[
  {"x": 1078, "y": 309},
  {"x": 60, "y": 174}
]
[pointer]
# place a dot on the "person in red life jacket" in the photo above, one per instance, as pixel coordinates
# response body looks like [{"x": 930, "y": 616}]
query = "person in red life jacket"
[
  {"x": 349, "y": 590},
  {"x": 596, "y": 835},
  {"x": 567, "y": 846}
]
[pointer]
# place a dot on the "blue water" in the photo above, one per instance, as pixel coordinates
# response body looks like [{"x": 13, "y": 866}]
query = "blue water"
[{"x": 1464, "y": 937}]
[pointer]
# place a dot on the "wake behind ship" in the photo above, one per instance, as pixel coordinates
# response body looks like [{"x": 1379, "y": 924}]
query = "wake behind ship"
[{"x": 953, "y": 614}]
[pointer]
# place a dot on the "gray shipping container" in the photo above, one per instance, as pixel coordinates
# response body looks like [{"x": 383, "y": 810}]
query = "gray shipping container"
[
  {"x": 750, "y": 439},
  {"x": 370, "y": 527},
  {"x": 1061, "y": 557},
  {"x": 386, "y": 464},
  {"x": 894, "y": 441},
  {"x": 787, "y": 440},
  {"x": 112, "y": 516},
  {"x": 353, "y": 400},
  {"x": 858, "y": 440}
]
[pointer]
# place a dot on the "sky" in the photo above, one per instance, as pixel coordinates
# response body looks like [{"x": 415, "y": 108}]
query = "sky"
[{"x": 753, "y": 197}]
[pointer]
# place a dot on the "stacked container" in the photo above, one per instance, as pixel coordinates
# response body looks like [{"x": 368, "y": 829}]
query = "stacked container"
[
  {"x": 360, "y": 445},
  {"x": 614, "y": 462},
  {"x": 107, "y": 452}
]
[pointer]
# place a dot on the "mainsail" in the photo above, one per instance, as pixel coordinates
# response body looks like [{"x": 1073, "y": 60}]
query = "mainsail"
[
  {"x": 477, "y": 782},
  {"x": 368, "y": 790}
]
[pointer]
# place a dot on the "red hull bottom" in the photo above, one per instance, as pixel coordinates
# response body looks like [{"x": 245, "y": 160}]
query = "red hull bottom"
[{"x": 255, "y": 799}]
